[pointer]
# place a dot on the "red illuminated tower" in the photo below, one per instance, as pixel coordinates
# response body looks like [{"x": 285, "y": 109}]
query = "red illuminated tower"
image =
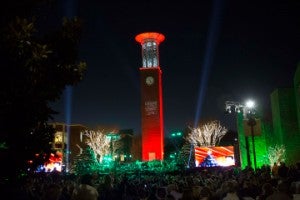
[{"x": 151, "y": 97}]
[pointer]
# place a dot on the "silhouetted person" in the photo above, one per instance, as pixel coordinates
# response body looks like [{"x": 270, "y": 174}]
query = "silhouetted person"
[
  {"x": 283, "y": 170},
  {"x": 282, "y": 192},
  {"x": 267, "y": 190},
  {"x": 86, "y": 190}
]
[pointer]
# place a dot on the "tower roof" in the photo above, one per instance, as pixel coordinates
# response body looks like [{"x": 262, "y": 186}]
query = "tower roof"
[{"x": 158, "y": 37}]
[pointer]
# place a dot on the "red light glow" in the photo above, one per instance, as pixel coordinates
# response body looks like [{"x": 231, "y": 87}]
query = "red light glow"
[
  {"x": 151, "y": 97},
  {"x": 55, "y": 162},
  {"x": 152, "y": 116},
  {"x": 158, "y": 37}
]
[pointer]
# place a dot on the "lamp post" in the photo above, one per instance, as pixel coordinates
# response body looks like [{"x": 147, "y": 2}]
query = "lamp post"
[
  {"x": 251, "y": 122},
  {"x": 248, "y": 151},
  {"x": 248, "y": 111}
]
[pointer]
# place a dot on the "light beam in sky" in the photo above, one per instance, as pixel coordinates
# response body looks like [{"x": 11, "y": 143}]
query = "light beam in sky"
[
  {"x": 210, "y": 48},
  {"x": 70, "y": 7}
]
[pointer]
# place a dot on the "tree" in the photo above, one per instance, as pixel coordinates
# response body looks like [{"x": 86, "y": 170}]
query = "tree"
[
  {"x": 276, "y": 154},
  {"x": 99, "y": 143},
  {"x": 37, "y": 65},
  {"x": 86, "y": 162},
  {"x": 185, "y": 157},
  {"x": 207, "y": 135}
]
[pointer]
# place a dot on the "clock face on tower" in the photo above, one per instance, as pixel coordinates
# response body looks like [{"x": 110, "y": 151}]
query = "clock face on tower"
[{"x": 149, "y": 80}]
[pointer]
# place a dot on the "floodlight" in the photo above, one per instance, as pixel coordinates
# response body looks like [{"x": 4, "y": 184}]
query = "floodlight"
[
  {"x": 228, "y": 109},
  {"x": 237, "y": 109},
  {"x": 250, "y": 104}
]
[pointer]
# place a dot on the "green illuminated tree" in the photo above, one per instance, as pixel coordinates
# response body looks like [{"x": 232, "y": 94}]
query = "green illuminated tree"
[
  {"x": 276, "y": 154},
  {"x": 185, "y": 157},
  {"x": 86, "y": 162},
  {"x": 38, "y": 60}
]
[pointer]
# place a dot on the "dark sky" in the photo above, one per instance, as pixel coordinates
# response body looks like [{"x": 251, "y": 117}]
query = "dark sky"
[{"x": 229, "y": 50}]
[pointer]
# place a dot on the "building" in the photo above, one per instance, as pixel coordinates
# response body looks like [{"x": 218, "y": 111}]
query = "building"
[
  {"x": 125, "y": 153},
  {"x": 69, "y": 140},
  {"x": 286, "y": 118},
  {"x": 151, "y": 97},
  {"x": 297, "y": 93}
]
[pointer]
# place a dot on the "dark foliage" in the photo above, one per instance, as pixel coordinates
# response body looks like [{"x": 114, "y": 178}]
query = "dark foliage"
[{"x": 36, "y": 65}]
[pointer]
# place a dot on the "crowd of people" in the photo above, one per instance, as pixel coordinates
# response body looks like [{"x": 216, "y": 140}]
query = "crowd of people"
[{"x": 215, "y": 183}]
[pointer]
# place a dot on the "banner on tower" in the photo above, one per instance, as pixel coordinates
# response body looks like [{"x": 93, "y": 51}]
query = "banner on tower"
[
  {"x": 151, "y": 107},
  {"x": 256, "y": 128}
]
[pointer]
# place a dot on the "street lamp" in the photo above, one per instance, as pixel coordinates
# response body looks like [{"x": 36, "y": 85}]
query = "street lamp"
[
  {"x": 250, "y": 105},
  {"x": 248, "y": 111}
]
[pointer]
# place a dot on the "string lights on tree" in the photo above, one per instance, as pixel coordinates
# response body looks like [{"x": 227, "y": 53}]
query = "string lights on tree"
[
  {"x": 207, "y": 135},
  {"x": 276, "y": 154},
  {"x": 99, "y": 143}
]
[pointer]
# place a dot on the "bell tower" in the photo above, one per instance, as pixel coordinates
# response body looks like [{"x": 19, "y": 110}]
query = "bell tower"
[{"x": 151, "y": 97}]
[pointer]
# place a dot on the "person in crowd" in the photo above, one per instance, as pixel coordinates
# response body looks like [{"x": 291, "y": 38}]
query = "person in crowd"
[
  {"x": 281, "y": 192},
  {"x": 205, "y": 194},
  {"x": 267, "y": 189},
  {"x": 86, "y": 190},
  {"x": 106, "y": 189},
  {"x": 232, "y": 192},
  {"x": 52, "y": 192},
  {"x": 295, "y": 190},
  {"x": 221, "y": 192},
  {"x": 174, "y": 191},
  {"x": 283, "y": 171},
  {"x": 187, "y": 194},
  {"x": 249, "y": 188},
  {"x": 275, "y": 170}
]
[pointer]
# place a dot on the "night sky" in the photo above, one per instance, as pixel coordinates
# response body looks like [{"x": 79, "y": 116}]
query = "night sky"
[{"x": 214, "y": 51}]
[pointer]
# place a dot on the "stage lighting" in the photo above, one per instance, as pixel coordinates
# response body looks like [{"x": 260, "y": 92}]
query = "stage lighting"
[
  {"x": 227, "y": 110},
  {"x": 250, "y": 104},
  {"x": 237, "y": 109},
  {"x": 248, "y": 111}
]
